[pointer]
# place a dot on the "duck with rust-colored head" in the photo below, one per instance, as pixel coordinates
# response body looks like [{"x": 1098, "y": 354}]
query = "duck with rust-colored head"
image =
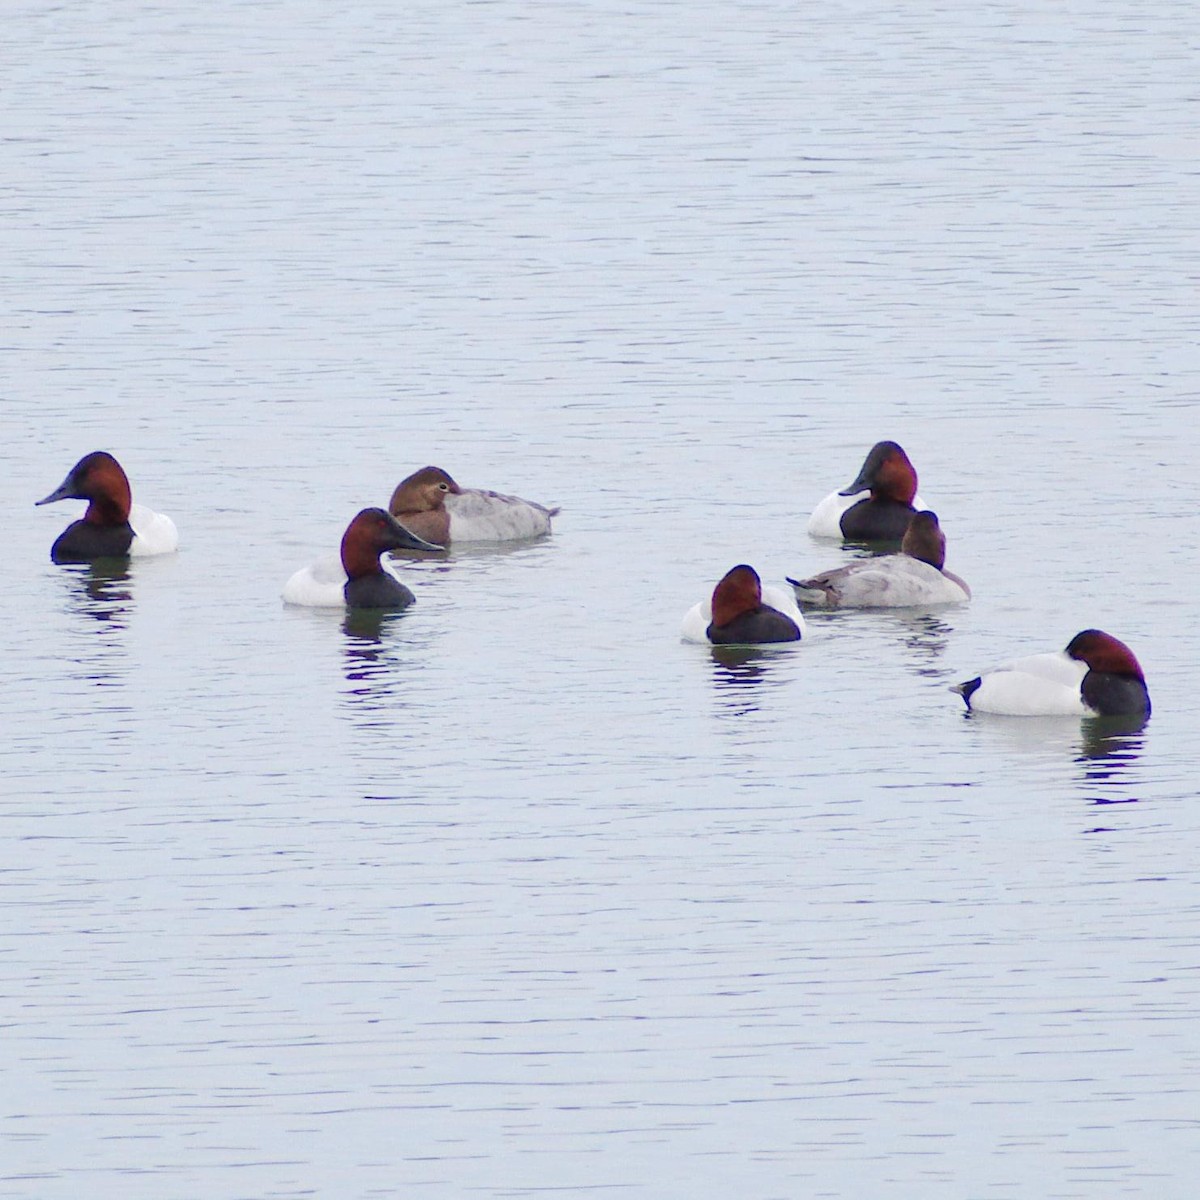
[
  {"x": 433, "y": 506},
  {"x": 113, "y": 526},
  {"x": 357, "y": 577},
  {"x": 742, "y": 612},
  {"x": 914, "y": 578},
  {"x": 889, "y": 477},
  {"x": 1095, "y": 676}
]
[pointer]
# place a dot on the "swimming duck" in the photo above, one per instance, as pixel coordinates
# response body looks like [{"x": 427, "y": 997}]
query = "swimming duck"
[
  {"x": 737, "y": 615},
  {"x": 914, "y": 577},
  {"x": 882, "y": 516},
  {"x": 1096, "y": 675},
  {"x": 357, "y": 578},
  {"x": 432, "y": 505},
  {"x": 113, "y": 526}
]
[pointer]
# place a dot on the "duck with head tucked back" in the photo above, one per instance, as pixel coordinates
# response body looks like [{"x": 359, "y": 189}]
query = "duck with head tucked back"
[
  {"x": 357, "y": 578},
  {"x": 744, "y": 613},
  {"x": 433, "y": 506},
  {"x": 883, "y": 515},
  {"x": 1095, "y": 676},
  {"x": 916, "y": 577},
  {"x": 113, "y": 526}
]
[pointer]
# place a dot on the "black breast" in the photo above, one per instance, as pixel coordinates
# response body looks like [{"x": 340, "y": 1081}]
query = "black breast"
[
  {"x": 876, "y": 521},
  {"x": 83, "y": 542},
  {"x": 765, "y": 624},
  {"x": 1113, "y": 695},
  {"x": 378, "y": 590}
]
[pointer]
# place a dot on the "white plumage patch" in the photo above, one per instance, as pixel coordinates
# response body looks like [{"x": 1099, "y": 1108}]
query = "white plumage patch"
[
  {"x": 1042, "y": 685},
  {"x": 153, "y": 532}
]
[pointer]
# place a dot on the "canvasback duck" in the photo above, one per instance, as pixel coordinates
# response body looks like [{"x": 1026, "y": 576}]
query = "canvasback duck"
[
  {"x": 1096, "y": 675},
  {"x": 882, "y": 516},
  {"x": 357, "y": 578},
  {"x": 744, "y": 613},
  {"x": 433, "y": 506},
  {"x": 113, "y": 526},
  {"x": 916, "y": 577}
]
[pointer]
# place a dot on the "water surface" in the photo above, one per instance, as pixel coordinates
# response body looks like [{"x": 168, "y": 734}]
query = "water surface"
[{"x": 516, "y": 895}]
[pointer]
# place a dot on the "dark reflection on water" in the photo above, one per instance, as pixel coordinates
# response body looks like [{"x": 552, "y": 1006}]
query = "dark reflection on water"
[
  {"x": 365, "y": 626},
  {"x": 856, "y": 550},
  {"x": 1109, "y": 749},
  {"x": 738, "y": 674},
  {"x": 101, "y": 590},
  {"x": 1105, "y": 750},
  {"x": 922, "y": 633},
  {"x": 96, "y": 655},
  {"x": 400, "y": 557},
  {"x": 925, "y": 635},
  {"x": 373, "y": 673}
]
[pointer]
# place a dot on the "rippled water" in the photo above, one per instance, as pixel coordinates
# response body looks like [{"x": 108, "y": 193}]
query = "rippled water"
[{"x": 516, "y": 895}]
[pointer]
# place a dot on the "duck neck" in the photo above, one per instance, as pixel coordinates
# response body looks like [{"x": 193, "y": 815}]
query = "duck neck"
[
  {"x": 107, "y": 511},
  {"x": 360, "y": 559}
]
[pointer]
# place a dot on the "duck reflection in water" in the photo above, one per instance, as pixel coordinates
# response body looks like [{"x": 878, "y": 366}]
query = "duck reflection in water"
[
  {"x": 738, "y": 674},
  {"x": 374, "y": 675},
  {"x": 922, "y": 636},
  {"x": 925, "y": 636},
  {"x": 1109, "y": 748},
  {"x": 364, "y": 626},
  {"x": 101, "y": 590}
]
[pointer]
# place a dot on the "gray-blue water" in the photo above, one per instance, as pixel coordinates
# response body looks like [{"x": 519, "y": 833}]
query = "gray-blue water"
[{"x": 516, "y": 895}]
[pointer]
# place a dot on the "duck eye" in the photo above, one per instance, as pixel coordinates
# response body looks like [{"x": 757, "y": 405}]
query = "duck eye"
[{"x": 443, "y": 487}]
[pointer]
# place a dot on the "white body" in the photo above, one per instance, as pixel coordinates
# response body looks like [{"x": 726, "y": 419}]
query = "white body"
[
  {"x": 153, "y": 532},
  {"x": 889, "y": 581},
  {"x": 698, "y": 618},
  {"x": 322, "y": 584},
  {"x": 481, "y": 516},
  {"x": 825, "y": 517},
  {"x": 1042, "y": 685}
]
